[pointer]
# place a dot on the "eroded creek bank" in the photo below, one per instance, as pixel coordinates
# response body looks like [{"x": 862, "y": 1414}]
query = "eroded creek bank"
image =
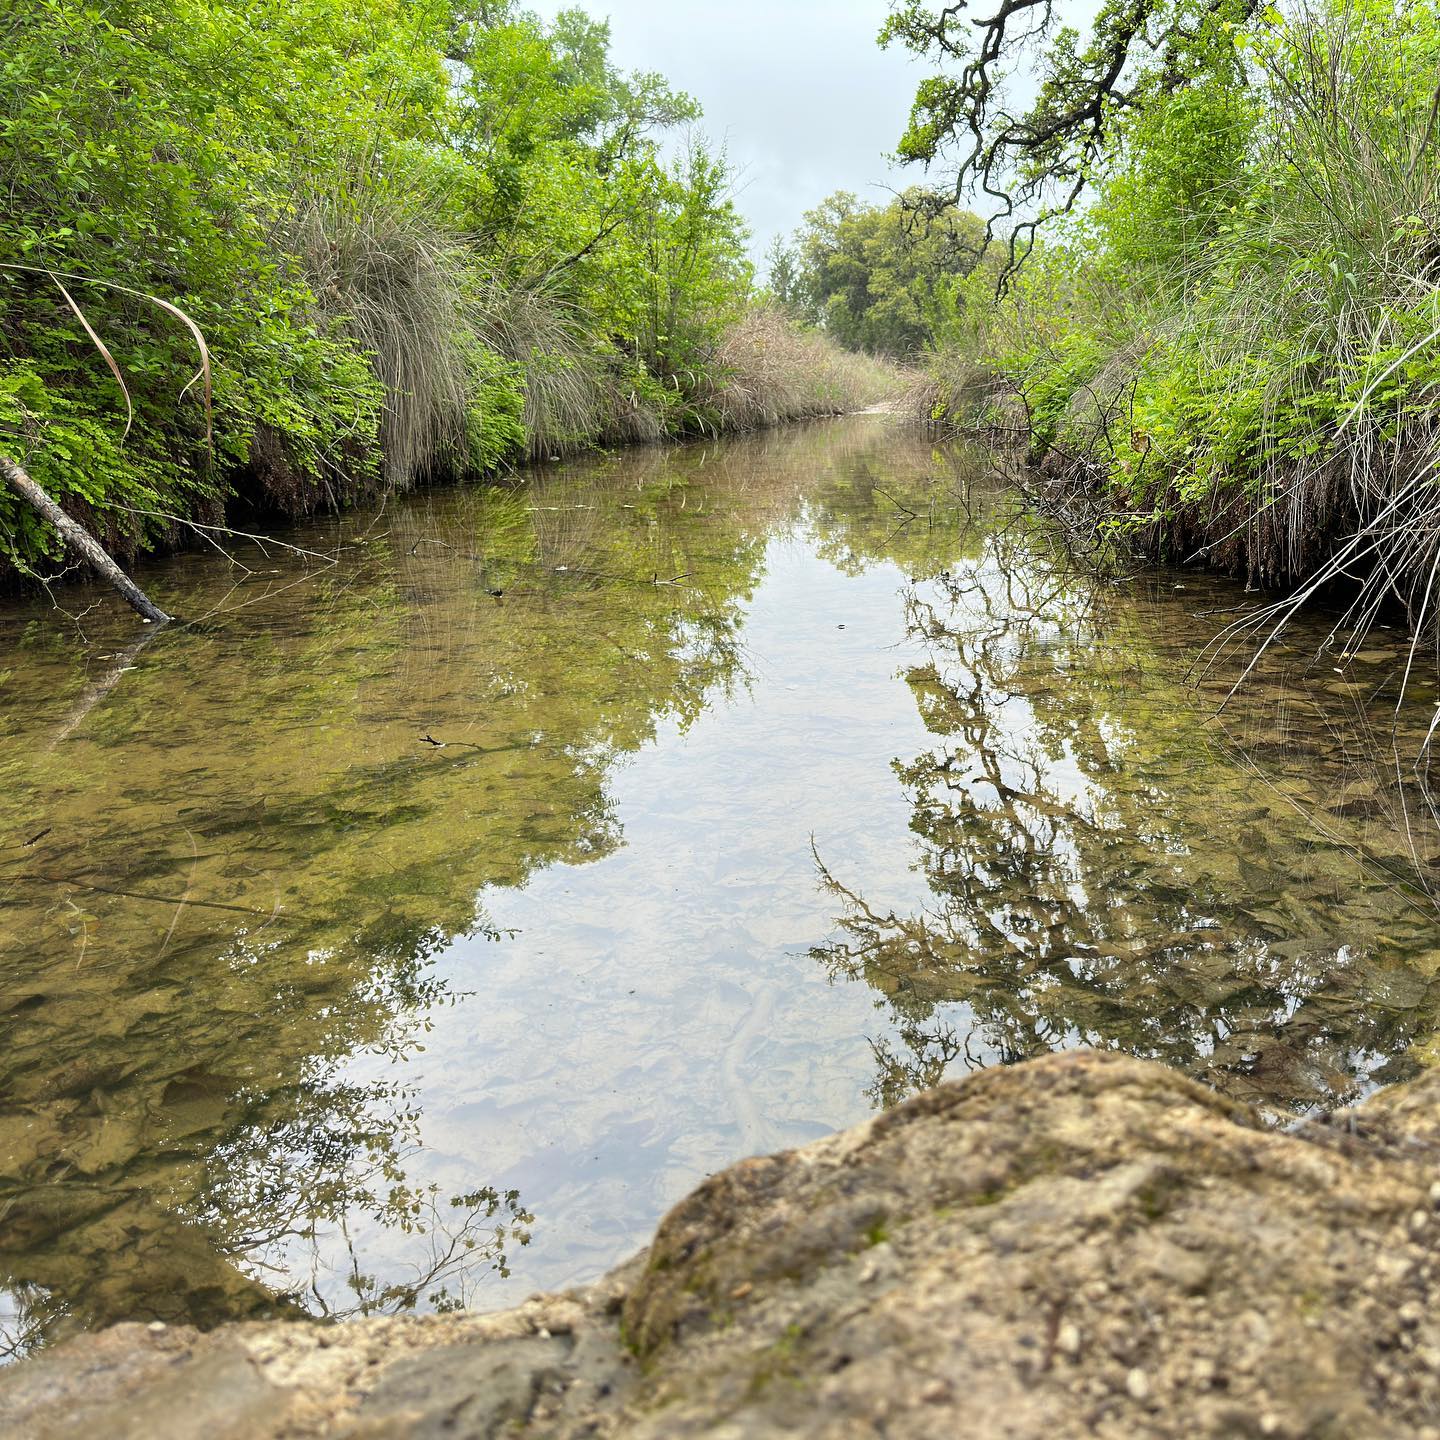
[{"x": 1080, "y": 1245}]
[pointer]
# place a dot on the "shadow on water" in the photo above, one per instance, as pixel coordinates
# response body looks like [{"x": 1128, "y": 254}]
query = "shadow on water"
[{"x": 283, "y": 888}]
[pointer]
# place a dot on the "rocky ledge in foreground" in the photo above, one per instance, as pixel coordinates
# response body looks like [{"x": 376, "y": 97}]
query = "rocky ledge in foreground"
[{"x": 1083, "y": 1245}]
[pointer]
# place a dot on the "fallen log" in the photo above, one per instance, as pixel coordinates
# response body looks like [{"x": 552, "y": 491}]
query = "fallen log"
[{"x": 79, "y": 539}]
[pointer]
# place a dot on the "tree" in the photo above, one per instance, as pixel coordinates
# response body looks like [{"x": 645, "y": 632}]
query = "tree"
[
  {"x": 1034, "y": 164},
  {"x": 878, "y": 276},
  {"x": 782, "y": 272}
]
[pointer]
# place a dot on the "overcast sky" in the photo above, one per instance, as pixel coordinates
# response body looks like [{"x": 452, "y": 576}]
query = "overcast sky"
[{"x": 802, "y": 97}]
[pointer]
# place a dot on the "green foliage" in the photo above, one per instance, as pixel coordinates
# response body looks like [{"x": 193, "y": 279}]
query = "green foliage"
[
  {"x": 495, "y": 414},
  {"x": 420, "y": 241},
  {"x": 1181, "y": 172},
  {"x": 880, "y": 278},
  {"x": 153, "y": 148},
  {"x": 1239, "y": 339},
  {"x": 1036, "y": 158},
  {"x": 782, "y": 274}
]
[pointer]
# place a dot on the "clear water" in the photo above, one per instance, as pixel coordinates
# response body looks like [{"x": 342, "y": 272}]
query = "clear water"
[{"x": 376, "y": 940}]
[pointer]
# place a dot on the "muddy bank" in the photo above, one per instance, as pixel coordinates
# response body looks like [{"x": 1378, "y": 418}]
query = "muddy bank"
[{"x": 1082, "y": 1245}]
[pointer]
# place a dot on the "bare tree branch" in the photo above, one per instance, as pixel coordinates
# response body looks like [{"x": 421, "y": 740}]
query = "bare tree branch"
[{"x": 1034, "y": 167}]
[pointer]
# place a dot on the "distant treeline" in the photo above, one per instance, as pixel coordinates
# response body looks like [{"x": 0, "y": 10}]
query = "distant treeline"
[{"x": 883, "y": 279}]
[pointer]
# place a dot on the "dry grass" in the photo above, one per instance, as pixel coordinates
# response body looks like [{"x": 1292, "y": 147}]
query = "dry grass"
[
  {"x": 416, "y": 299},
  {"x": 768, "y": 370},
  {"x": 386, "y": 273},
  {"x": 765, "y": 370},
  {"x": 572, "y": 395},
  {"x": 956, "y": 383}
]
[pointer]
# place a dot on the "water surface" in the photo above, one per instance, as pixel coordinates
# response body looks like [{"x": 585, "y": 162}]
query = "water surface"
[{"x": 459, "y": 887}]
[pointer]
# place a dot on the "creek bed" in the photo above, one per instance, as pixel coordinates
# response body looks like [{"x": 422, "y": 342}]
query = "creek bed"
[{"x": 459, "y": 886}]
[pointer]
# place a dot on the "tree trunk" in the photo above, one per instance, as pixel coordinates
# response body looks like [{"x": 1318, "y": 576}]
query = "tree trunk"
[{"x": 79, "y": 538}]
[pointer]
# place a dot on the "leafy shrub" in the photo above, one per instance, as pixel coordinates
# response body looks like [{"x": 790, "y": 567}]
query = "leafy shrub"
[{"x": 420, "y": 241}]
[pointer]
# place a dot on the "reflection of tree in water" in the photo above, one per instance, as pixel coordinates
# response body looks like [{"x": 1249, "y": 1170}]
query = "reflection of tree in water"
[
  {"x": 306, "y": 1162},
  {"x": 1078, "y": 896},
  {"x": 915, "y": 516},
  {"x": 238, "y": 1199},
  {"x": 206, "y": 1150},
  {"x": 182, "y": 1120},
  {"x": 279, "y": 1193}
]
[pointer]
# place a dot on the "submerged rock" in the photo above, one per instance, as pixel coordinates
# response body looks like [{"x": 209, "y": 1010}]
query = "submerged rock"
[{"x": 1083, "y": 1245}]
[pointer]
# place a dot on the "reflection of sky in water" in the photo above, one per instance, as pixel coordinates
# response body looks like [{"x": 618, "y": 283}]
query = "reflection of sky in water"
[{"x": 657, "y": 1015}]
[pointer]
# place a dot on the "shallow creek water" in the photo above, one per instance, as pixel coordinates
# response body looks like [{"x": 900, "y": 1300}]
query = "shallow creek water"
[{"x": 417, "y": 923}]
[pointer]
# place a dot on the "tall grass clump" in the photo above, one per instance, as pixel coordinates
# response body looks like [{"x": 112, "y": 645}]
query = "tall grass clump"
[
  {"x": 565, "y": 373},
  {"x": 389, "y": 276}
]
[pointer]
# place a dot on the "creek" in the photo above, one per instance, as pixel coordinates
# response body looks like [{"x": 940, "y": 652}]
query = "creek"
[{"x": 461, "y": 884}]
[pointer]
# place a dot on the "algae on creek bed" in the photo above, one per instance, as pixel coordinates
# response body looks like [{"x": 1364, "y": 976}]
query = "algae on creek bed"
[{"x": 389, "y": 769}]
